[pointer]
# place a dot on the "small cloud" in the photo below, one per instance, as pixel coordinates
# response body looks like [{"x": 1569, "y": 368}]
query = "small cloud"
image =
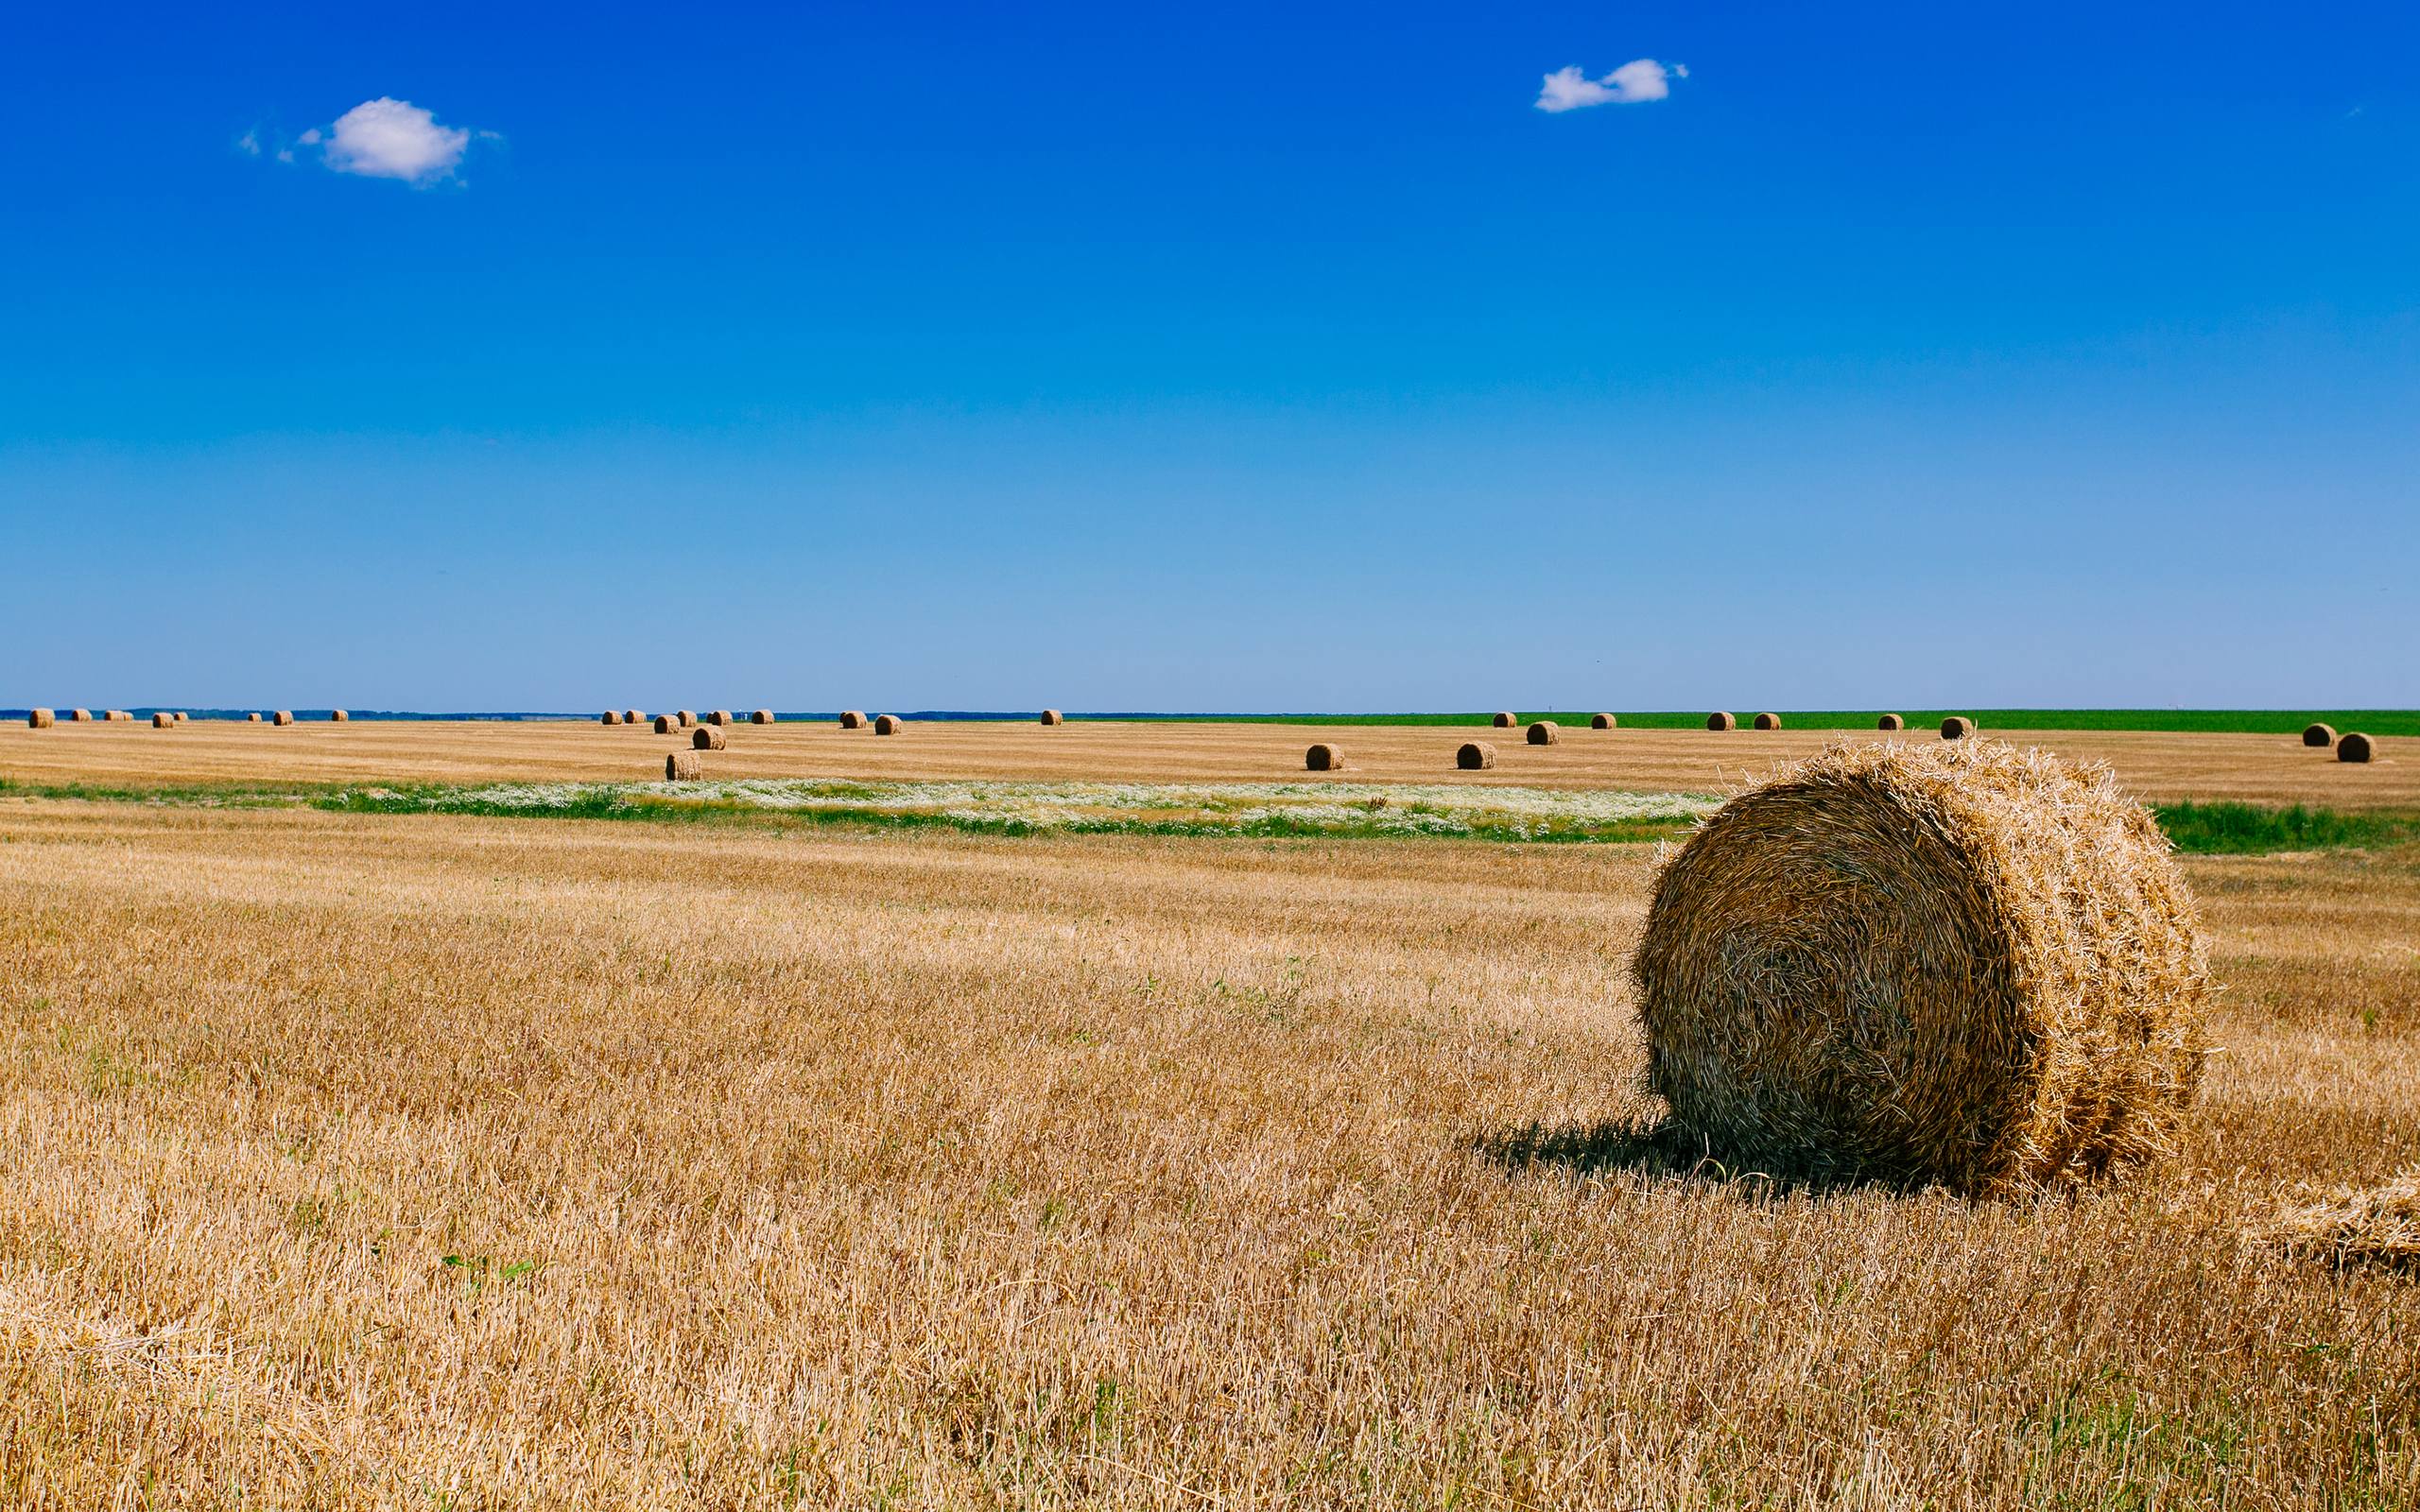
[
  {"x": 392, "y": 139},
  {"x": 1634, "y": 83},
  {"x": 248, "y": 143}
]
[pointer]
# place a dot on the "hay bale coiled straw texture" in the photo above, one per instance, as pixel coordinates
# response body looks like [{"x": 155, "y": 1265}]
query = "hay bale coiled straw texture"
[
  {"x": 762, "y": 716},
  {"x": 2354, "y": 747},
  {"x": 1891, "y": 722},
  {"x": 2321, "y": 735},
  {"x": 688, "y": 718},
  {"x": 1504, "y": 720},
  {"x": 683, "y": 766},
  {"x": 719, "y": 717},
  {"x": 666, "y": 724},
  {"x": 338, "y": 716},
  {"x": 1324, "y": 758},
  {"x": 1052, "y": 716},
  {"x": 886, "y": 724},
  {"x": 1967, "y": 965},
  {"x": 163, "y": 721},
  {"x": 1957, "y": 727},
  {"x": 709, "y": 737},
  {"x": 1719, "y": 720},
  {"x": 1769, "y": 721},
  {"x": 2377, "y": 1225},
  {"x": 1474, "y": 756},
  {"x": 41, "y": 719},
  {"x": 852, "y": 719},
  {"x": 1544, "y": 733},
  {"x": 284, "y": 716},
  {"x": 1602, "y": 722}
]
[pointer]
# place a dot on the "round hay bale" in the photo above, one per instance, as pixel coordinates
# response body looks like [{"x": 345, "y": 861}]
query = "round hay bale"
[
  {"x": 1891, "y": 722},
  {"x": 41, "y": 719},
  {"x": 117, "y": 715},
  {"x": 79, "y": 716},
  {"x": 253, "y": 718},
  {"x": 1769, "y": 721},
  {"x": 635, "y": 717},
  {"x": 2318, "y": 735},
  {"x": 1969, "y": 964},
  {"x": 1324, "y": 758},
  {"x": 1957, "y": 727},
  {"x": 2354, "y": 747},
  {"x": 1602, "y": 722},
  {"x": 338, "y": 716},
  {"x": 709, "y": 737},
  {"x": 1474, "y": 756},
  {"x": 1719, "y": 720},
  {"x": 1052, "y": 716},
  {"x": 688, "y": 718},
  {"x": 284, "y": 716},
  {"x": 852, "y": 719},
  {"x": 1544, "y": 733},
  {"x": 181, "y": 716},
  {"x": 163, "y": 721},
  {"x": 886, "y": 724},
  {"x": 719, "y": 717},
  {"x": 762, "y": 716},
  {"x": 666, "y": 724},
  {"x": 611, "y": 716},
  {"x": 1504, "y": 721},
  {"x": 683, "y": 766}
]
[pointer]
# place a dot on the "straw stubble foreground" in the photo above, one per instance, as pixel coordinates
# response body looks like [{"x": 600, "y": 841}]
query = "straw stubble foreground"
[{"x": 1967, "y": 965}]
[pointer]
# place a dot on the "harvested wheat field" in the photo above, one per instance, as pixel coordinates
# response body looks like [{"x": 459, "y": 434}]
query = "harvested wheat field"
[{"x": 425, "y": 1160}]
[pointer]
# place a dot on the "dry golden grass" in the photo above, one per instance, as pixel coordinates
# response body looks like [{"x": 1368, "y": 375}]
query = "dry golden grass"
[
  {"x": 2259, "y": 768},
  {"x": 415, "y": 1162}
]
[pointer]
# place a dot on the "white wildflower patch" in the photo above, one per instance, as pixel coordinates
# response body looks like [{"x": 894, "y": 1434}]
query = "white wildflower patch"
[{"x": 1190, "y": 808}]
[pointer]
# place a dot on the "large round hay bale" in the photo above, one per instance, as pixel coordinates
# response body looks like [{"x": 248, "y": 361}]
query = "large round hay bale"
[
  {"x": 611, "y": 716},
  {"x": 709, "y": 737},
  {"x": 1970, "y": 965},
  {"x": 1324, "y": 758},
  {"x": 1719, "y": 720},
  {"x": 1504, "y": 720},
  {"x": 1052, "y": 716},
  {"x": 1602, "y": 722},
  {"x": 666, "y": 724},
  {"x": 41, "y": 719},
  {"x": 886, "y": 725},
  {"x": 163, "y": 721},
  {"x": 635, "y": 717},
  {"x": 1544, "y": 733},
  {"x": 683, "y": 766},
  {"x": 1891, "y": 722},
  {"x": 719, "y": 717},
  {"x": 2318, "y": 735},
  {"x": 688, "y": 718},
  {"x": 284, "y": 716},
  {"x": 118, "y": 717},
  {"x": 1474, "y": 756},
  {"x": 1769, "y": 721},
  {"x": 253, "y": 718},
  {"x": 181, "y": 716},
  {"x": 852, "y": 719},
  {"x": 338, "y": 716},
  {"x": 762, "y": 716},
  {"x": 79, "y": 716},
  {"x": 1957, "y": 727},
  {"x": 2354, "y": 747}
]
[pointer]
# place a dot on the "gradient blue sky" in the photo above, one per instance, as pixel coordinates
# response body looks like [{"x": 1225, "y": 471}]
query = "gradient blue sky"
[{"x": 1269, "y": 357}]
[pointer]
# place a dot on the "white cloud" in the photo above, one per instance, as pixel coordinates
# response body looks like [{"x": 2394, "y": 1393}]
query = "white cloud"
[
  {"x": 1634, "y": 83},
  {"x": 391, "y": 139}
]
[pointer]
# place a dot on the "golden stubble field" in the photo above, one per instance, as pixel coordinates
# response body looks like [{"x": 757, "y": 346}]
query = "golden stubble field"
[{"x": 469, "y": 1162}]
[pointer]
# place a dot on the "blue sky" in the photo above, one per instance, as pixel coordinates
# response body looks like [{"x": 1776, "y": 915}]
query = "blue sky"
[{"x": 1113, "y": 357}]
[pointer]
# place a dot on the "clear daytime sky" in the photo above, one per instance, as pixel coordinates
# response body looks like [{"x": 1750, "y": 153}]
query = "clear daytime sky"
[{"x": 1254, "y": 358}]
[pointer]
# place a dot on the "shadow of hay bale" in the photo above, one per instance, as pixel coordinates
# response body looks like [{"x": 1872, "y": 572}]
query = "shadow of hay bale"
[{"x": 1662, "y": 1150}]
